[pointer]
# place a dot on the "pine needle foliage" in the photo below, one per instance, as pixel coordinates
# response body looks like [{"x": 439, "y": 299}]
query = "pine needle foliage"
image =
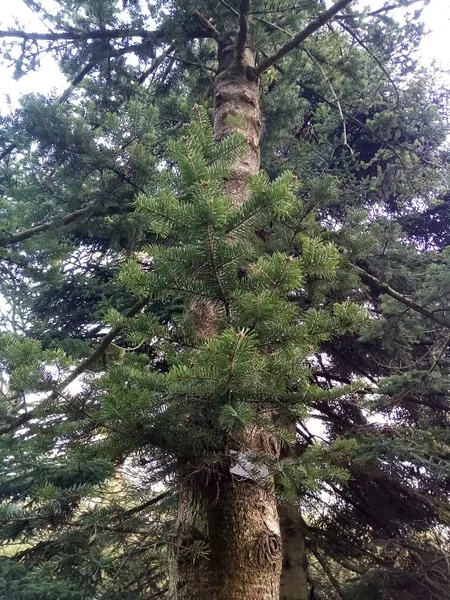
[
  {"x": 363, "y": 130},
  {"x": 252, "y": 370},
  {"x": 256, "y": 353}
]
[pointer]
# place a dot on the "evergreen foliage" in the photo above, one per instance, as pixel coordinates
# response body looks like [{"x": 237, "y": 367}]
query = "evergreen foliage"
[{"x": 113, "y": 195}]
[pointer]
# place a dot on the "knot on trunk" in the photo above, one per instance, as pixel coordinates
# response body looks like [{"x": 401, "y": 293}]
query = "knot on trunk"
[{"x": 267, "y": 549}]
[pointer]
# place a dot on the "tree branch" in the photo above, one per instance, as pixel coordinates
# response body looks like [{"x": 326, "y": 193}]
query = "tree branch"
[
  {"x": 208, "y": 27},
  {"x": 21, "y": 236},
  {"x": 298, "y": 39},
  {"x": 158, "y": 62},
  {"x": 357, "y": 39},
  {"x": 328, "y": 572},
  {"x": 368, "y": 129},
  {"x": 80, "y": 369},
  {"x": 384, "y": 9},
  {"x": 242, "y": 35},
  {"x": 336, "y": 99},
  {"x": 92, "y": 35},
  {"x": 78, "y": 79},
  {"x": 385, "y": 288},
  {"x": 137, "y": 509},
  {"x": 99, "y": 352}
]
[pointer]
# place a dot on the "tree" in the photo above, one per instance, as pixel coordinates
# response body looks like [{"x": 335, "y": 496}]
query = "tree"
[{"x": 102, "y": 182}]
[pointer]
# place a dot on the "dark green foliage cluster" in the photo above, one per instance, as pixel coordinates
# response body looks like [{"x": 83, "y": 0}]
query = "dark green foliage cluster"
[{"x": 212, "y": 259}]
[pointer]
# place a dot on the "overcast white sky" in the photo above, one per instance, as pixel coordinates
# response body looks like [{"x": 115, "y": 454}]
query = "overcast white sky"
[{"x": 435, "y": 47}]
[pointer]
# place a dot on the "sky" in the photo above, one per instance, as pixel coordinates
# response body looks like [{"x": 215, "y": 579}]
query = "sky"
[{"x": 436, "y": 47}]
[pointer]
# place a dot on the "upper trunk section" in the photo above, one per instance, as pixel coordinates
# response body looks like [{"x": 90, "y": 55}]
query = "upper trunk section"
[
  {"x": 228, "y": 544},
  {"x": 237, "y": 110}
]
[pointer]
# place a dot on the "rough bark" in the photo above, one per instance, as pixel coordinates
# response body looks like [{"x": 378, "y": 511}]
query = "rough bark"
[
  {"x": 236, "y": 109},
  {"x": 228, "y": 544},
  {"x": 236, "y": 522},
  {"x": 294, "y": 575}
]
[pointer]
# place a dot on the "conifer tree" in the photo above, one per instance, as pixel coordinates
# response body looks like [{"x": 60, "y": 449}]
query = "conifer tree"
[{"x": 236, "y": 282}]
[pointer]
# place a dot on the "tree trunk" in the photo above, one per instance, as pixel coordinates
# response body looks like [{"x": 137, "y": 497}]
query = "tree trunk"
[
  {"x": 294, "y": 575},
  {"x": 228, "y": 544},
  {"x": 236, "y": 109}
]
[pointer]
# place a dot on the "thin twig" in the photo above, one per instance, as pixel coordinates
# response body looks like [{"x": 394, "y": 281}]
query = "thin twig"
[
  {"x": 363, "y": 45},
  {"x": 371, "y": 131},
  {"x": 192, "y": 63},
  {"x": 336, "y": 98}
]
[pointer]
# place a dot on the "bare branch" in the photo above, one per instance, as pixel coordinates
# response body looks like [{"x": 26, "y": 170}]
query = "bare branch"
[
  {"x": 298, "y": 39},
  {"x": 66, "y": 219},
  {"x": 385, "y": 288}
]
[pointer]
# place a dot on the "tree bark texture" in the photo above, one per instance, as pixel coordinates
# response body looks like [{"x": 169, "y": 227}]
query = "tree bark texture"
[
  {"x": 236, "y": 109},
  {"x": 236, "y": 522},
  {"x": 228, "y": 544},
  {"x": 294, "y": 575}
]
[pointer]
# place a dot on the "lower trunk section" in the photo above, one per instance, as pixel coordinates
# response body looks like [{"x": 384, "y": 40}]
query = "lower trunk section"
[
  {"x": 228, "y": 545},
  {"x": 294, "y": 576}
]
